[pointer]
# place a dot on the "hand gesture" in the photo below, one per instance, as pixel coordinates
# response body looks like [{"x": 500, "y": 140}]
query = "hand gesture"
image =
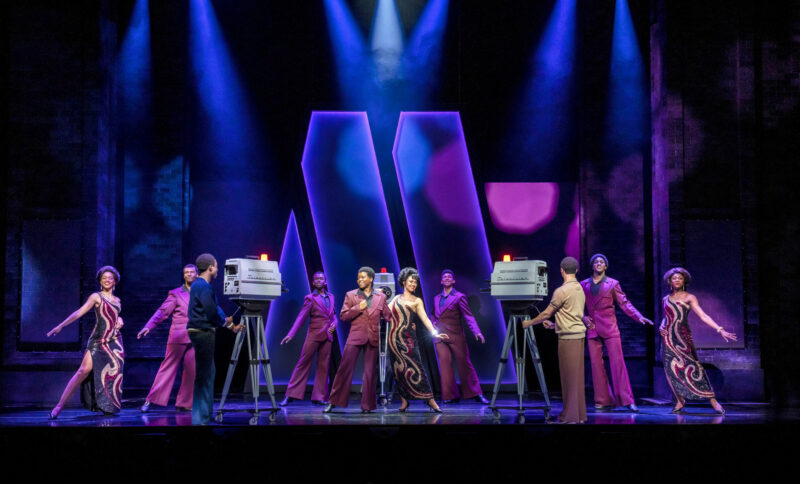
[
  {"x": 480, "y": 338},
  {"x": 727, "y": 336},
  {"x": 589, "y": 322},
  {"x": 229, "y": 319},
  {"x": 362, "y": 305},
  {"x": 54, "y": 331},
  {"x": 549, "y": 324},
  {"x": 331, "y": 329},
  {"x": 441, "y": 336},
  {"x": 118, "y": 326},
  {"x": 644, "y": 320},
  {"x": 237, "y": 327},
  {"x": 286, "y": 339},
  {"x": 144, "y": 332}
]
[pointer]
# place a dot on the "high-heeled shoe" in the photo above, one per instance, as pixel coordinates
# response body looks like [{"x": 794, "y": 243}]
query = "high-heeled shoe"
[
  {"x": 54, "y": 413},
  {"x": 720, "y": 410},
  {"x": 677, "y": 409},
  {"x": 403, "y": 409},
  {"x": 433, "y": 409}
]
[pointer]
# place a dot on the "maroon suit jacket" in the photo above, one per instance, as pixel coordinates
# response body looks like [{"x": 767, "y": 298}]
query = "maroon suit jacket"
[
  {"x": 364, "y": 325},
  {"x": 177, "y": 306},
  {"x": 322, "y": 318},
  {"x": 601, "y": 307},
  {"x": 448, "y": 317}
]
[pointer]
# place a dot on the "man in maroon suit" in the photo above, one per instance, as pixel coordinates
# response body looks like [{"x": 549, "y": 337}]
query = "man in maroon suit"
[
  {"x": 363, "y": 307},
  {"x": 601, "y": 293},
  {"x": 322, "y": 323},
  {"x": 449, "y": 308},
  {"x": 179, "y": 348}
]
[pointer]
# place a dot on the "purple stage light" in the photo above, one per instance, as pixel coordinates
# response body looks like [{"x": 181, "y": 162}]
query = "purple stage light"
[
  {"x": 521, "y": 208},
  {"x": 445, "y": 221},
  {"x": 346, "y": 200},
  {"x": 284, "y": 310}
]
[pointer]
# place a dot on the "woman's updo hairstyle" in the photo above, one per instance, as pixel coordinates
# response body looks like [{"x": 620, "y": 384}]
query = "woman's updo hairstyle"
[
  {"x": 110, "y": 269},
  {"x": 406, "y": 273}
]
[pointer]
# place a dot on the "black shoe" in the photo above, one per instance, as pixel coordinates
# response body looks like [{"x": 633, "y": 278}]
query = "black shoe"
[
  {"x": 329, "y": 408},
  {"x": 481, "y": 399},
  {"x": 452, "y": 401},
  {"x": 364, "y": 410},
  {"x": 433, "y": 409},
  {"x": 183, "y": 409},
  {"x": 633, "y": 408},
  {"x": 146, "y": 407},
  {"x": 319, "y": 402},
  {"x": 51, "y": 415},
  {"x": 286, "y": 401},
  {"x": 603, "y": 408}
]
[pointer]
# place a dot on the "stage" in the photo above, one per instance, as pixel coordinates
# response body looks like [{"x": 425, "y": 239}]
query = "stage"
[{"x": 465, "y": 442}]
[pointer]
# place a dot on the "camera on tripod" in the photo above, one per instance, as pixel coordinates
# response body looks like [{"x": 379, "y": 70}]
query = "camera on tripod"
[
  {"x": 384, "y": 282},
  {"x": 519, "y": 280},
  {"x": 252, "y": 280}
]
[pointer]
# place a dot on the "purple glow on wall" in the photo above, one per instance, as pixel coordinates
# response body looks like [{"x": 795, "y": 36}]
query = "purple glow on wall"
[
  {"x": 521, "y": 208},
  {"x": 445, "y": 221}
]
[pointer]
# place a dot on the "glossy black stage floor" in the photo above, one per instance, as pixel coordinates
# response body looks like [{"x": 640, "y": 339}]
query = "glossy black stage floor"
[{"x": 464, "y": 443}]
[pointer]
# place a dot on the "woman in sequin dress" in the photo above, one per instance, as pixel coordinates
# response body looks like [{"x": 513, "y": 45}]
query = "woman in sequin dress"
[
  {"x": 100, "y": 373},
  {"x": 409, "y": 374},
  {"x": 685, "y": 374}
]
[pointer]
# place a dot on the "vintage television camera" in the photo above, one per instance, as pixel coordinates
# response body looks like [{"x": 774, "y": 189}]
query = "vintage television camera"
[
  {"x": 252, "y": 280},
  {"x": 384, "y": 282},
  {"x": 519, "y": 280}
]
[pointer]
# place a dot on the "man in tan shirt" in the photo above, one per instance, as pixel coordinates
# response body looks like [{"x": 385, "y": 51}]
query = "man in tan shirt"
[{"x": 567, "y": 304}]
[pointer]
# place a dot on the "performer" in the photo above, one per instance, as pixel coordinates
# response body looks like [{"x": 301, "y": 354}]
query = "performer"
[
  {"x": 449, "y": 308},
  {"x": 685, "y": 374},
  {"x": 409, "y": 373},
  {"x": 568, "y": 304},
  {"x": 601, "y": 293},
  {"x": 105, "y": 355},
  {"x": 363, "y": 307},
  {"x": 204, "y": 316},
  {"x": 322, "y": 324},
  {"x": 179, "y": 347}
]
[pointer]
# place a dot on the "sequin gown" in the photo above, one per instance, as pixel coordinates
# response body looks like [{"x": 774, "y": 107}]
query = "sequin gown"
[
  {"x": 685, "y": 374},
  {"x": 102, "y": 390},
  {"x": 409, "y": 374}
]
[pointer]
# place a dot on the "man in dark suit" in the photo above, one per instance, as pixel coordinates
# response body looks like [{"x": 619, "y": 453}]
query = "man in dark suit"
[
  {"x": 318, "y": 308},
  {"x": 450, "y": 307},
  {"x": 363, "y": 307},
  {"x": 602, "y": 292}
]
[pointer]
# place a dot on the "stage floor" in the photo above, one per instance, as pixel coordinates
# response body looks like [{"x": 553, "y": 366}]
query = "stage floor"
[
  {"x": 238, "y": 412},
  {"x": 464, "y": 444}
]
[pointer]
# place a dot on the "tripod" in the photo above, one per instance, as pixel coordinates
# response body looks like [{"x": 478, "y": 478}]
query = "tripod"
[
  {"x": 515, "y": 318},
  {"x": 251, "y": 317}
]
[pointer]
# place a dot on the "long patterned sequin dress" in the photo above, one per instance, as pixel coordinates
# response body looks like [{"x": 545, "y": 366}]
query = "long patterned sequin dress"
[
  {"x": 103, "y": 389},
  {"x": 410, "y": 377},
  {"x": 685, "y": 374}
]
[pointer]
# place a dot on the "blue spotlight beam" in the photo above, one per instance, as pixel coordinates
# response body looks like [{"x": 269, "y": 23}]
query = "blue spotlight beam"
[
  {"x": 544, "y": 118},
  {"x": 445, "y": 221},
  {"x": 422, "y": 56},
  {"x": 232, "y": 138},
  {"x": 350, "y": 53},
  {"x": 134, "y": 67},
  {"x": 347, "y": 201},
  {"x": 627, "y": 123},
  {"x": 284, "y": 310}
]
